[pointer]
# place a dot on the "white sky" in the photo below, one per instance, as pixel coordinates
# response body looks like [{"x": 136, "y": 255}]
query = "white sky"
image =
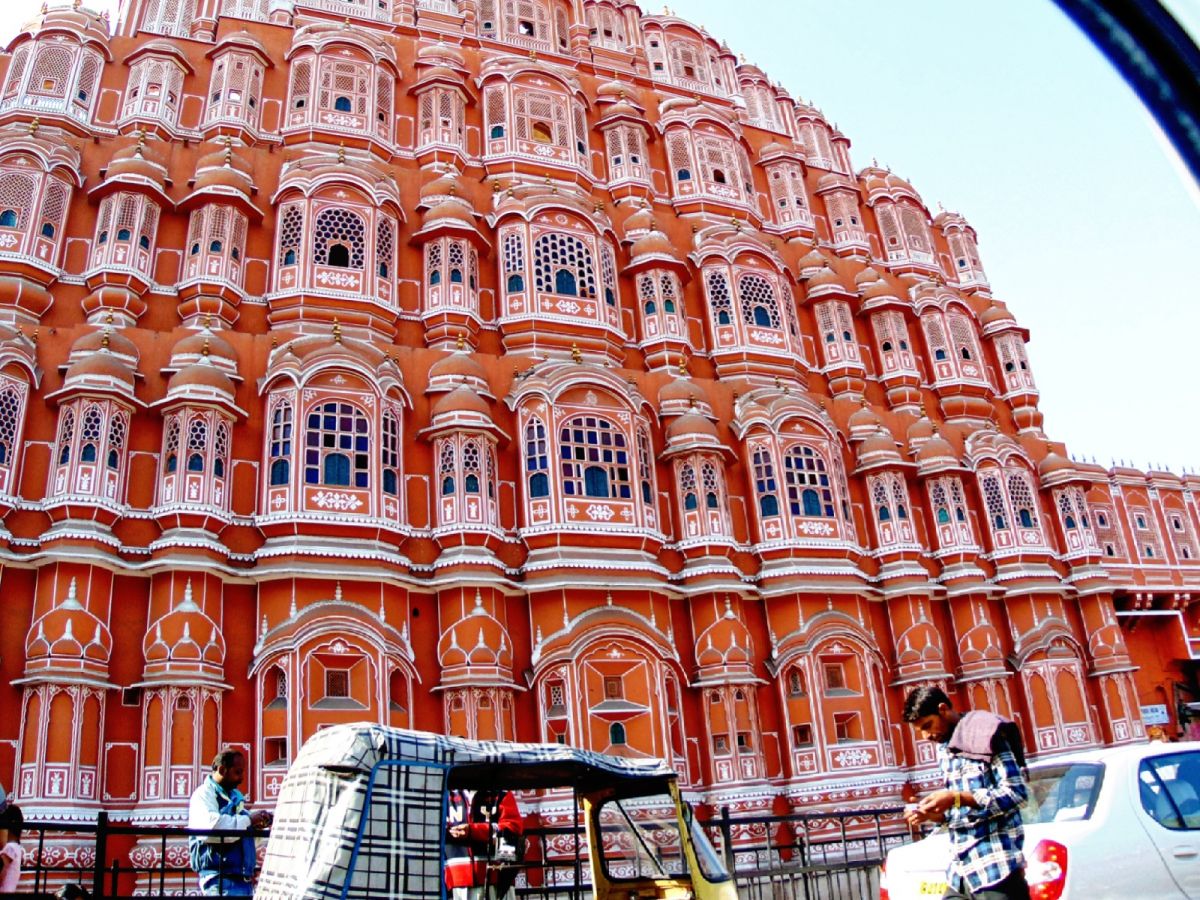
[{"x": 1001, "y": 110}]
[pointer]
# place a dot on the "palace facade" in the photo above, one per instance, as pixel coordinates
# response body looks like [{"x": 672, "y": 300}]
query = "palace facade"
[{"x": 520, "y": 369}]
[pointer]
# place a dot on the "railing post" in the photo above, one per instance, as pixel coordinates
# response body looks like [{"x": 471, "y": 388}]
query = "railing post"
[
  {"x": 727, "y": 838},
  {"x": 101, "y": 855}
]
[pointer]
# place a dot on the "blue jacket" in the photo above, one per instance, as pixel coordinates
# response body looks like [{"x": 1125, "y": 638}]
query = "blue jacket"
[{"x": 212, "y": 807}]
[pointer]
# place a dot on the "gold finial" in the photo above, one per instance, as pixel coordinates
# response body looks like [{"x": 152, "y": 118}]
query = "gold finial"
[
  {"x": 737, "y": 226},
  {"x": 461, "y": 343},
  {"x": 736, "y": 394},
  {"x": 497, "y": 187},
  {"x": 337, "y": 331},
  {"x": 208, "y": 321},
  {"x": 576, "y": 354},
  {"x": 341, "y": 154},
  {"x": 453, "y": 189},
  {"x": 104, "y": 339},
  {"x": 34, "y": 126},
  {"x": 346, "y": 22},
  {"x": 683, "y": 366},
  {"x": 691, "y": 402},
  {"x": 204, "y": 350},
  {"x": 778, "y": 382},
  {"x": 141, "y": 144},
  {"x": 274, "y": 342},
  {"x": 108, "y": 320},
  {"x": 34, "y": 337},
  {"x": 533, "y": 55}
]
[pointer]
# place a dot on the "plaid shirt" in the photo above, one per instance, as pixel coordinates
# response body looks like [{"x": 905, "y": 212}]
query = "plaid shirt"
[{"x": 987, "y": 840}]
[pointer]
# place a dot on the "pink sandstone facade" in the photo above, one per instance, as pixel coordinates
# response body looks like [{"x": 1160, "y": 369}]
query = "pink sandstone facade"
[{"x": 521, "y": 369}]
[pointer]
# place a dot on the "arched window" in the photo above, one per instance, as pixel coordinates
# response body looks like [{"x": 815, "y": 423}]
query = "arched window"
[
  {"x": 280, "y": 470},
  {"x": 515, "y": 283},
  {"x": 390, "y": 453},
  {"x": 616, "y": 734},
  {"x": 758, "y": 301},
  {"x": 810, "y": 492},
  {"x": 337, "y": 446},
  {"x": 339, "y": 239},
  {"x": 8, "y": 219},
  {"x": 563, "y": 264},
  {"x": 595, "y": 459},
  {"x": 764, "y": 483},
  {"x": 343, "y": 104},
  {"x": 537, "y": 459},
  {"x": 90, "y": 435},
  {"x": 683, "y": 175}
]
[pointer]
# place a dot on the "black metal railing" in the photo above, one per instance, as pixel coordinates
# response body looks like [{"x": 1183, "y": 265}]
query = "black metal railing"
[{"x": 805, "y": 856}]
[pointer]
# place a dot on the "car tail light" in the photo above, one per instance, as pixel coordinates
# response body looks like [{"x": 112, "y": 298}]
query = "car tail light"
[
  {"x": 883, "y": 891},
  {"x": 1046, "y": 871}
]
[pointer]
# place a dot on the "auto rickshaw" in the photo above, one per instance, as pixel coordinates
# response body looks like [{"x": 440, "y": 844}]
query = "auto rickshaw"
[{"x": 362, "y": 814}]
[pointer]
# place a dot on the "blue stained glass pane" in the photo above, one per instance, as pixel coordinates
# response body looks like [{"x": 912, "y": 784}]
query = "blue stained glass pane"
[
  {"x": 314, "y": 421},
  {"x": 361, "y": 444},
  {"x": 622, "y": 457},
  {"x": 360, "y": 479},
  {"x": 312, "y": 457},
  {"x": 361, "y": 426},
  {"x": 311, "y": 476},
  {"x": 314, "y": 438},
  {"x": 344, "y": 442},
  {"x": 330, "y": 423}
]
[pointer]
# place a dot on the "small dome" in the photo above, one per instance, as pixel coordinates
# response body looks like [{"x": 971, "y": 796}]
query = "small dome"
[
  {"x": 204, "y": 345},
  {"x": 774, "y": 147},
  {"x": 224, "y": 170},
  {"x": 100, "y": 370},
  {"x": 682, "y": 390},
  {"x": 201, "y": 378},
  {"x": 185, "y": 637},
  {"x": 878, "y": 448},
  {"x": 460, "y": 400},
  {"x": 691, "y": 425},
  {"x": 919, "y": 432},
  {"x": 137, "y": 162},
  {"x": 652, "y": 243},
  {"x": 812, "y": 262},
  {"x": 866, "y": 276},
  {"x": 880, "y": 289},
  {"x": 457, "y": 366},
  {"x": 107, "y": 340},
  {"x": 441, "y": 53},
  {"x": 454, "y": 210},
  {"x": 994, "y": 314},
  {"x": 936, "y": 449},
  {"x": 442, "y": 187},
  {"x": 1054, "y": 464},
  {"x": 69, "y": 633},
  {"x": 864, "y": 421},
  {"x": 639, "y": 222},
  {"x": 88, "y": 25},
  {"x": 827, "y": 278}
]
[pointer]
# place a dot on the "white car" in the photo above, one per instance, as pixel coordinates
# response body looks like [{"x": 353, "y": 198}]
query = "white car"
[{"x": 1121, "y": 822}]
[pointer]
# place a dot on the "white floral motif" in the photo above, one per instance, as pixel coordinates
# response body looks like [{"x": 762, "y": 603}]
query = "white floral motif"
[
  {"x": 336, "y": 500},
  {"x": 767, "y": 337},
  {"x": 567, "y": 306},
  {"x": 596, "y": 511},
  {"x": 853, "y": 758}
]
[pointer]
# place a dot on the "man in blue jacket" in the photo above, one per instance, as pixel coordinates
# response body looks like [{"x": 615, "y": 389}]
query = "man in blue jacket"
[{"x": 225, "y": 864}]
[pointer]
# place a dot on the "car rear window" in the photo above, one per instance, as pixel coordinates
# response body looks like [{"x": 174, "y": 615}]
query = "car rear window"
[{"x": 1062, "y": 793}]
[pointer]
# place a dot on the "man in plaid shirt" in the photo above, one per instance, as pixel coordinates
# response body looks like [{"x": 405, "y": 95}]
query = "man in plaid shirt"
[{"x": 982, "y": 762}]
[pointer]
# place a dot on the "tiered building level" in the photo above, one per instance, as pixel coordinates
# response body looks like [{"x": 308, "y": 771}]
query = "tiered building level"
[{"x": 518, "y": 369}]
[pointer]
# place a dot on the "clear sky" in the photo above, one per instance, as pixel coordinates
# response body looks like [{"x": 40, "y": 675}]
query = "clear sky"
[{"x": 1002, "y": 110}]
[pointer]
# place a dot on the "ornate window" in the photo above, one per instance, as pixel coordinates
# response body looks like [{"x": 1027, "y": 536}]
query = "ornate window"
[
  {"x": 451, "y": 275},
  {"x": 1075, "y": 520},
  {"x": 789, "y": 200},
  {"x": 627, "y": 160},
  {"x": 1014, "y": 363},
  {"x": 1010, "y": 499},
  {"x": 813, "y": 503},
  {"x": 595, "y": 459},
  {"x": 154, "y": 91},
  {"x": 809, "y": 489},
  {"x": 279, "y": 459},
  {"x": 765, "y": 486},
  {"x": 13, "y": 396},
  {"x": 235, "y": 89},
  {"x": 466, "y": 482},
  {"x": 440, "y": 118},
  {"x": 818, "y": 149},
  {"x": 1145, "y": 532},
  {"x": 845, "y": 220},
  {"x": 950, "y": 514},
  {"x": 838, "y": 342},
  {"x": 91, "y": 451},
  {"x": 255, "y": 10},
  {"x": 892, "y": 342},
  {"x": 54, "y": 77},
  {"x": 606, "y": 27},
  {"x": 700, "y": 479},
  {"x": 542, "y": 123},
  {"x": 33, "y": 207},
  {"x": 660, "y": 306},
  {"x": 341, "y": 93},
  {"x": 953, "y": 347},
  {"x": 724, "y": 168},
  {"x": 537, "y": 467},
  {"x": 216, "y": 245},
  {"x": 125, "y": 233},
  {"x": 563, "y": 264},
  {"x": 904, "y": 232},
  {"x": 339, "y": 239},
  {"x": 195, "y": 459},
  {"x": 171, "y": 17},
  {"x": 337, "y": 445},
  {"x": 526, "y": 23},
  {"x": 889, "y": 501}
]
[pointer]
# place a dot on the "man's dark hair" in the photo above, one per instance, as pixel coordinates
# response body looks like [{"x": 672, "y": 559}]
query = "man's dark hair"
[
  {"x": 14, "y": 820},
  {"x": 71, "y": 892},
  {"x": 924, "y": 701},
  {"x": 227, "y": 757}
]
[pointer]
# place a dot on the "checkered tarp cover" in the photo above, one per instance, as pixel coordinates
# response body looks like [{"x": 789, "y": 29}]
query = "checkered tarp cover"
[{"x": 315, "y": 850}]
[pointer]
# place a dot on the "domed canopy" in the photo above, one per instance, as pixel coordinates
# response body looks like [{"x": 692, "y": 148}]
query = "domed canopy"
[
  {"x": 461, "y": 400},
  {"x": 878, "y": 449},
  {"x": 208, "y": 346},
  {"x": 864, "y": 422},
  {"x": 69, "y": 637},
  {"x": 867, "y": 276},
  {"x": 108, "y": 340},
  {"x": 1056, "y": 469},
  {"x": 138, "y": 166},
  {"x": 201, "y": 381},
  {"x": 441, "y": 54},
  {"x": 936, "y": 454},
  {"x": 87, "y": 26},
  {"x": 100, "y": 372},
  {"x": 184, "y": 642},
  {"x": 457, "y": 369}
]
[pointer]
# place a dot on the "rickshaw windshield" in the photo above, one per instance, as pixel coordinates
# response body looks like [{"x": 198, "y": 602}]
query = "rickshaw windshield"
[
  {"x": 640, "y": 839},
  {"x": 712, "y": 867}
]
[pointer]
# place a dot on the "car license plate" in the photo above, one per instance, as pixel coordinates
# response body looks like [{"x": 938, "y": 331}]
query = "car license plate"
[{"x": 932, "y": 889}]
